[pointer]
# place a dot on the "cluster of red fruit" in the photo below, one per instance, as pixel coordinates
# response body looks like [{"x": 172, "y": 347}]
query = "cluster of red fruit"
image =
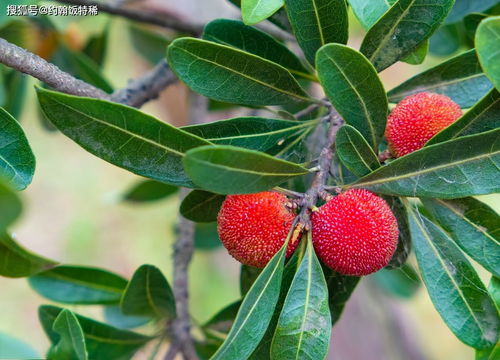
[{"x": 355, "y": 233}]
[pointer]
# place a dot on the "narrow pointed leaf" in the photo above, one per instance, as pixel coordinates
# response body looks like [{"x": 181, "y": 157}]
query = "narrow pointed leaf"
[
  {"x": 255, "y": 312},
  {"x": 10, "y": 206},
  {"x": 79, "y": 285},
  {"x": 457, "y": 168},
  {"x": 149, "y": 294},
  {"x": 317, "y": 22},
  {"x": 402, "y": 29},
  {"x": 464, "y": 7},
  {"x": 201, "y": 206},
  {"x": 368, "y": 12},
  {"x": 453, "y": 285},
  {"x": 355, "y": 152},
  {"x": 103, "y": 342},
  {"x": 122, "y": 135},
  {"x": 148, "y": 191},
  {"x": 71, "y": 344},
  {"x": 16, "y": 262},
  {"x": 474, "y": 226},
  {"x": 227, "y": 169},
  {"x": 354, "y": 88},
  {"x": 461, "y": 78},
  {"x": 236, "y": 34},
  {"x": 227, "y": 74},
  {"x": 255, "y": 133},
  {"x": 304, "y": 326},
  {"x": 487, "y": 40},
  {"x": 484, "y": 116},
  {"x": 340, "y": 289},
  {"x": 17, "y": 162},
  {"x": 254, "y": 11}
]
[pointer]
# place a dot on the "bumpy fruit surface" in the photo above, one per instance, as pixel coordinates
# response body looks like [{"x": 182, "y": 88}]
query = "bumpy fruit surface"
[
  {"x": 355, "y": 233},
  {"x": 416, "y": 119},
  {"x": 253, "y": 227}
]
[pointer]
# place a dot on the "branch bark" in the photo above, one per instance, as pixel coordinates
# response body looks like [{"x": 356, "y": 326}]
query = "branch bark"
[{"x": 168, "y": 22}]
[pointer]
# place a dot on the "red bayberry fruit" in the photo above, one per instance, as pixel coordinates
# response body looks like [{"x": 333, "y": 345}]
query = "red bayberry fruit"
[
  {"x": 416, "y": 119},
  {"x": 253, "y": 227},
  {"x": 355, "y": 233}
]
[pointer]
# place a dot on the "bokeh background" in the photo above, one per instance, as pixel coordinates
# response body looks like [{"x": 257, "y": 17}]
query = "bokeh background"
[{"x": 74, "y": 213}]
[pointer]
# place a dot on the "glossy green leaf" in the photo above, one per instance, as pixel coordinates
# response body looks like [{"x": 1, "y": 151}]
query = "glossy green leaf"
[
  {"x": 368, "y": 12},
  {"x": 453, "y": 285},
  {"x": 225, "y": 169},
  {"x": 402, "y": 29},
  {"x": 446, "y": 40},
  {"x": 317, "y": 22},
  {"x": 464, "y": 7},
  {"x": 12, "y": 348},
  {"x": 460, "y": 78},
  {"x": 304, "y": 326},
  {"x": 355, "y": 152},
  {"x": 114, "y": 316},
  {"x": 418, "y": 56},
  {"x": 474, "y": 226},
  {"x": 340, "y": 289},
  {"x": 227, "y": 74},
  {"x": 494, "y": 289},
  {"x": 149, "y": 44},
  {"x": 255, "y": 312},
  {"x": 354, "y": 89},
  {"x": 16, "y": 261},
  {"x": 149, "y": 190},
  {"x": 221, "y": 322},
  {"x": 71, "y": 344},
  {"x": 17, "y": 162},
  {"x": 279, "y": 18},
  {"x": 10, "y": 206},
  {"x": 236, "y": 34},
  {"x": 248, "y": 275},
  {"x": 103, "y": 342},
  {"x": 254, "y": 11},
  {"x": 404, "y": 239},
  {"x": 456, "y": 168},
  {"x": 17, "y": 83},
  {"x": 122, "y": 135},
  {"x": 487, "y": 40},
  {"x": 255, "y": 133},
  {"x": 402, "y": 282},
  {"x": 201, "y": 206},
  {"x": 206, "y": 236},
  {"x": 471, "y": 22},
  {"x": 484, "y": 116},
  {"x": 149, "y": 294},
  {"x": 79, "y": 285}
]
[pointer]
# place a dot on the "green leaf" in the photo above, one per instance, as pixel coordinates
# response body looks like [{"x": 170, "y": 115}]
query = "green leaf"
[
  {"x": 404, "y": 239},
  {"x": 149, "y": 294},
  {"x": 454, "y": 287},
  {"x": 17, "y": 162},
  {"x": 418, "y": 56},
  {"x": 340, "y": 289},
  {"x": 114, "y": 316},
  {"x": 148, "y": 191},
  {"x": 16, "y": 82},
  {"x": 103, "y": 342},
  {"x": 464, "y": 7},
  {"x": 227, "y": 74},
  {"x": 236, "y": 34},
  {"x": 304, "y": 326},
  {"x": 255, "y": 312},
  {"x": 487, "y": 39},
  {"x": 227, "y": 169},
  {"x": 16, "y": 261},
  {"x": 71, "y": 344},
  {"x": 254, "y": 133},
  {"x": 221, "y": 322},
  {"x": 355, "y": 152},
  {"x": 150, "y": 45},
  {"x": 122, "y": 135},
  {"x": 254, "y": 11},
  {"x": 206, "y": 236},
  {"x": 10, "y": 206},
  {"x": 96, "y": 46},
  {"x": 248, "y": 275},
  {"x": 12, "y": 348},
  {"x": 456, "y": 168},
  {"x": 368, "y": 12},
  {"x": 317, "y": 22},
  {"x": 279, "y": 18},
  {"x": 355, "y": 90},
  {"x": 402, "y": 29},
  {"x": 471, "y": 22},
  {"x": 79, "y": 285},
  {"x": 460, "y": 78},
  {"x": 484, "y": 116},
  {"x": 201, "y": 206},
  {"x": 446, "y": 40},
  {"x": 494, "y": 289},
  {"x": 474, "y": 226},
  {"x": 402, "y": 282}
]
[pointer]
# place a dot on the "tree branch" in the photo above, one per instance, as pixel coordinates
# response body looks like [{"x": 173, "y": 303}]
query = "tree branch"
[{"x": 166, "y": 21}]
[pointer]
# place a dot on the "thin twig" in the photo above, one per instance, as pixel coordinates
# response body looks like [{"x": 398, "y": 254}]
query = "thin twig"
[{"x": 166, "y": 21}]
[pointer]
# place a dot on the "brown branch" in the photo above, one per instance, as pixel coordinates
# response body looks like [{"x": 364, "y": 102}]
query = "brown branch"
[{"x": 166, "y": 21}]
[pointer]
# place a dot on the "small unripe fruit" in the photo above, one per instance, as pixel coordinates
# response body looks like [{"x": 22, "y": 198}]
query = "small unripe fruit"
[
  {"x": 253, "y": 227},
  {"x": 416, "y": 119},
  {"x": 355, "y": 233}
]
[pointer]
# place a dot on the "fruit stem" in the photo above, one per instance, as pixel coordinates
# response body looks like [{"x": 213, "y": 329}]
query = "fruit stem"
[{"x": 287, "y": 192}]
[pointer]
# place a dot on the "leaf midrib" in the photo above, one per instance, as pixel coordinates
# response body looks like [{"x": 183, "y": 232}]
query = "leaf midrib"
[
  {"x": 307, "y": 300},
  {"x": 82, "y": 283}
]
